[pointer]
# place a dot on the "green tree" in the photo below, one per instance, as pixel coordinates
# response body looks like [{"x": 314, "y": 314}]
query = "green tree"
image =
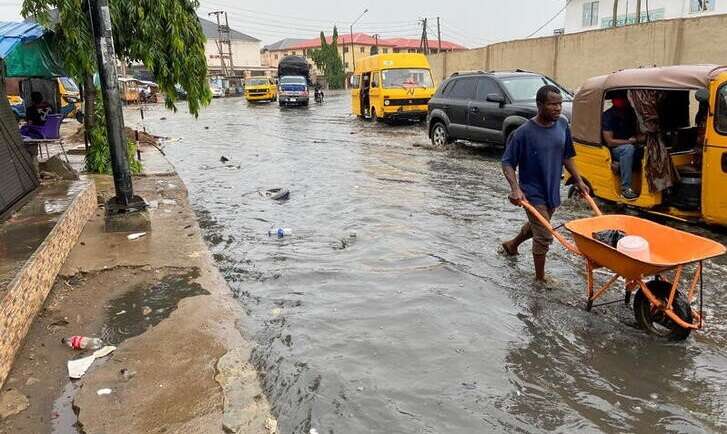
[
  {"x": 327, "y": 60},
  {"x": 165, "y": 35}
]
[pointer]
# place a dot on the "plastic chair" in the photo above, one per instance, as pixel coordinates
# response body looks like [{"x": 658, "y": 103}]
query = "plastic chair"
[{"x": 51, "y": 132}]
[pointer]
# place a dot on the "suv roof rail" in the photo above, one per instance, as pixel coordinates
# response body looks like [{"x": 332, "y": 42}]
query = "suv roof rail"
[{"x": 455, "y": 74}]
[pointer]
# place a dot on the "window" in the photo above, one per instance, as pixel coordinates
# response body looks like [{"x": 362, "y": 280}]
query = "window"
[
  {"x": 396, "y": 50},
  {"x": 487, "y": 86},
  {"x": 407, "y": 78},
  {"x": 345, "y": 49},
  {"x": 721, "y": 118},
  {"x": 386, "y": 50},
  {"x": 346, "y": 65},
  {"x": 696, "y": 6},
  {"x": 590, "y": 14},
  {"x": 276, "y": 57},
  {"x": 294, "y": 53},
  {"x": 525, "y": 88},
  {"x": 355, "y": 80},
  {"x": 463, "y": 88},
  {"x": 363, "y": 49},
  {"x": 375, "y": 80}
]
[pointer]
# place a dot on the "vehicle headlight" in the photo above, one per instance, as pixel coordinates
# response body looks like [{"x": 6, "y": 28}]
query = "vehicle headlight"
[{"x": 387, "y": 102}]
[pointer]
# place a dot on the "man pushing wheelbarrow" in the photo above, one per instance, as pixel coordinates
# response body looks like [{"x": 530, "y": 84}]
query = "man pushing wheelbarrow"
[{"x": 539, "y": 150}]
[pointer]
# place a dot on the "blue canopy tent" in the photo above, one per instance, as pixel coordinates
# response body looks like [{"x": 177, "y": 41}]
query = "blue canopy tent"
[{"x": 25, "y": 49}]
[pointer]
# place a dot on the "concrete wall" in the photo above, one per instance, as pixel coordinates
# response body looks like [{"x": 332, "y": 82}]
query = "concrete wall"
[
  {"x": 573, "y": 58},
  {"x": 26, "y": 293}
]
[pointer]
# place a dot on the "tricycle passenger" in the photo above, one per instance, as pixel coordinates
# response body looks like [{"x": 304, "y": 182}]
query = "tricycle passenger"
[{"x": 621, "y": 134}]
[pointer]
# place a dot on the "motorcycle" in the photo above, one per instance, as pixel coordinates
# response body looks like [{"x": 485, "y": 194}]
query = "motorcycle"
[{"x": 318, "y": 96}]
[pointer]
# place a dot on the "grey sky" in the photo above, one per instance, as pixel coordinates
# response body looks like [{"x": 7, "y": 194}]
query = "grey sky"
[{"x": 469, "y": 22}]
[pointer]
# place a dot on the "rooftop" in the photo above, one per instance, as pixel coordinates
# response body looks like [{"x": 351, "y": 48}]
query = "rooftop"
[{"x": 210, "y": 31}]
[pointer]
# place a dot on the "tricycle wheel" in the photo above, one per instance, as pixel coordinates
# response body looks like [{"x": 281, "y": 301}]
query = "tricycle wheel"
[{"x": 656, "y": 322}]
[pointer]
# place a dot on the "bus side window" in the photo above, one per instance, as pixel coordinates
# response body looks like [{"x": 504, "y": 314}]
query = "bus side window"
[{"x": 355, "y": 81}]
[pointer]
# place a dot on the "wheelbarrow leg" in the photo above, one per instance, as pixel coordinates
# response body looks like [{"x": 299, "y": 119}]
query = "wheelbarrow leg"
[{"x": 589, "y": 293}]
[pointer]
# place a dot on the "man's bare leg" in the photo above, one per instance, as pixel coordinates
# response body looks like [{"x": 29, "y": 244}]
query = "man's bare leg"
[
  {"x": 539, "y": 261},
  {"x": 510, "y": 247}
]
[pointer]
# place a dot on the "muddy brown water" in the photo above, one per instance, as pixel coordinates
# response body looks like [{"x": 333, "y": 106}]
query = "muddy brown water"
[{"x": 389, "y": 310}]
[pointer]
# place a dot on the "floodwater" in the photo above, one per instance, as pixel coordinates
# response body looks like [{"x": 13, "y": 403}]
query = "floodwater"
[{"x": 389, "y": 310}]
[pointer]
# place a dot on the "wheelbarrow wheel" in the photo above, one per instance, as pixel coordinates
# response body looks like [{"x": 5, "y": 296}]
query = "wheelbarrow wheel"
[{"x": 656, "y": 322}]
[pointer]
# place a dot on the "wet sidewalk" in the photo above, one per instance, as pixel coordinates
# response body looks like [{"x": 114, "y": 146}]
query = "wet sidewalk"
[{"x": 181, "y": 364}]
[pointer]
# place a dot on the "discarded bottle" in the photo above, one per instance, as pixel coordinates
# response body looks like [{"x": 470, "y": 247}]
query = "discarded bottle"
[
  {"x": 83, "y": 343},
  {"x": 280, "y": 232}
]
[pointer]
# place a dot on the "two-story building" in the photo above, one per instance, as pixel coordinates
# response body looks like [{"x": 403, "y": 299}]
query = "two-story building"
[
  {"x": 363, "y": 45},
  {"x": 582, "y": 15}
]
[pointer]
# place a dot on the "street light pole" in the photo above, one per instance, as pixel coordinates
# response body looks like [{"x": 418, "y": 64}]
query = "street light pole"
[{"x": 353, "y": 55}]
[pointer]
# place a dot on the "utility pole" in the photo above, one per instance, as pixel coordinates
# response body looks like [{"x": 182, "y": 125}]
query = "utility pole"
[
  {"x": 223, "y": 39},
  {"x": 424, "y": 43},
  {"x": 353, "y": 55},
  {"x": 439, "y": 36},
  {"x": 615, "y": 13},
  {"x": 125, "y": 201},
  {"x": 638, "y": 11}
]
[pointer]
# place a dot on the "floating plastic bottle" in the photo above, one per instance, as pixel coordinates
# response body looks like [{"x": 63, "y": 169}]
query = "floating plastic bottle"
[
  {"x": 83, "y": 343},
  {"x": 280, "y": 232}
]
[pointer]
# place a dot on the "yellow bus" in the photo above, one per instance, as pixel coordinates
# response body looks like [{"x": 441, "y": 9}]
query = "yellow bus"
[
  {"x": 260, "y": 89},
  {"x": 392, "y": 87}
]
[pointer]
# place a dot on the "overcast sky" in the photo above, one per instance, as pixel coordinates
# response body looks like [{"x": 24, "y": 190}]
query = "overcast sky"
[{"x": 471, "y": 23}]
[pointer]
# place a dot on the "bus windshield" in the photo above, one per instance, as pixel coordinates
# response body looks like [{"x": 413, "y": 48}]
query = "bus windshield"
[
  {"x": 293, "y": 80},
  {"x": 419, "y": 77},
  {"x": 257, "y": 82}
]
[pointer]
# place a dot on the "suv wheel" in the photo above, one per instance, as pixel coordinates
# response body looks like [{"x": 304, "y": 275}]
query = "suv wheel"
[{"x": 440, "y": 136}]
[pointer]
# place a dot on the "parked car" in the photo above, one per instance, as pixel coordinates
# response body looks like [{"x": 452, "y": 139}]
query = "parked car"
[
  {"x": 217, "y": 92},
  {"x": 486, "y": 106}
]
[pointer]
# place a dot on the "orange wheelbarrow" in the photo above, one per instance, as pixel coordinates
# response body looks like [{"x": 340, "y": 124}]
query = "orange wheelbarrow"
[{"x": 659, "y": 306}]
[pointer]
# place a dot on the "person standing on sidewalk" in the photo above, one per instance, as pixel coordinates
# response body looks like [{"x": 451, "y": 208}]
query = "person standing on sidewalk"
[{"x": 538, "y": 151}]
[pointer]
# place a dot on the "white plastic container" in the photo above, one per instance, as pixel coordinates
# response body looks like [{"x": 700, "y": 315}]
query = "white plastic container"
[{"x": 635, "y": 247}]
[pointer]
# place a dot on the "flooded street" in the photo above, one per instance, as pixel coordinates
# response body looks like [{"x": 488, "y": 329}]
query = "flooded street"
[{"x": 389, "y": 310}]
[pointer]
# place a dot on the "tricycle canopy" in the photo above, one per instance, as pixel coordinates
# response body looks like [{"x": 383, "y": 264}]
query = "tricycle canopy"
[{"x": 588, "y": 102}]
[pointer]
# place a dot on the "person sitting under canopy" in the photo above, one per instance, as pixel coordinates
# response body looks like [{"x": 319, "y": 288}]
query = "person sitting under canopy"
[{"x": 621, "y": 134}]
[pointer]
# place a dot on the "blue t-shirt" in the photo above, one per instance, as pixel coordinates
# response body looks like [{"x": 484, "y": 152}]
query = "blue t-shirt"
[
  {"x": 621, "y": 124},
  {"x": 538, "y": 153}
]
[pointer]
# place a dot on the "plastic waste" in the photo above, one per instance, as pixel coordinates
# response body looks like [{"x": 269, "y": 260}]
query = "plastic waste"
[
  {"x": 280, "y": 232},
  {"x": 136, "y": 236},
  {"x": 636, "y": 247},
  {"x": 83, "y": 343}
]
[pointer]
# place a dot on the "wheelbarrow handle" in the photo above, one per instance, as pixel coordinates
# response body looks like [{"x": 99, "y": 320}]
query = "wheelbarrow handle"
[
  {"x": 592, "y": 203},
  {"x": 558, "y": 236}
]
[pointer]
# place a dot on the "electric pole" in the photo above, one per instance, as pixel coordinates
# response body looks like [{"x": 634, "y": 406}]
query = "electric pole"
[
  {"x": 223, "y": 40},
  {"x": 125, "y": 201},
  {"x": 424, "y": 43},
  {"x": 638, "y": 11},
  {"x": 439, "y": 36}
]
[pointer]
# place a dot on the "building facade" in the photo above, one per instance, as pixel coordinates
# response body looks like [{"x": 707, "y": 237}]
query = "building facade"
[{"x": 583, "y": 15}]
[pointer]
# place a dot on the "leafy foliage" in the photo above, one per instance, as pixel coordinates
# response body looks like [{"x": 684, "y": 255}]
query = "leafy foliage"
[
  {"x": 98, "y": 158},
  {"x": 327, "y": 60},
  {"x": 163, "y": 34}
]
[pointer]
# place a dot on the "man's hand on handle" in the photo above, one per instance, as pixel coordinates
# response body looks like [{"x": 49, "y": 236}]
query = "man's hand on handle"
[{"x": 516, "y": 197}]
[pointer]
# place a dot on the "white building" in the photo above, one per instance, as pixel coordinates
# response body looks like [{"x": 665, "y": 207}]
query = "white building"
[
  {"x": 582, "y": 15},
  {"x": 245, "y": 50}
]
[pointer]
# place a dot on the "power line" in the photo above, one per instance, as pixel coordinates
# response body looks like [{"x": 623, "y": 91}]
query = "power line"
[{"x": 551, "y": 19}]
